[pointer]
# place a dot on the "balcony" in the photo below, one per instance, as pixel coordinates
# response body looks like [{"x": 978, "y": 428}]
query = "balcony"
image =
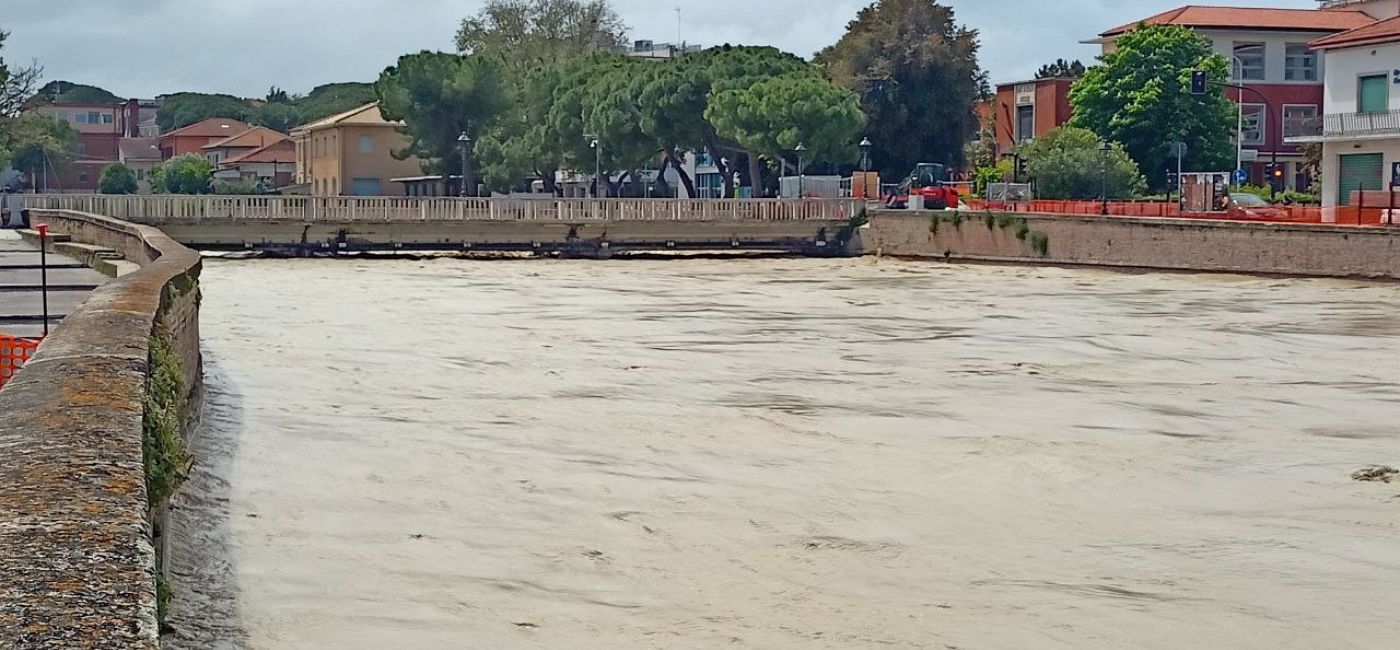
[{"x": 1343, "y": 126}]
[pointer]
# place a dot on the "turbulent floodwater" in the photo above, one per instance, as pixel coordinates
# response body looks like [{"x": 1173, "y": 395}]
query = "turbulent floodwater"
[{"x": 788, "y": 454}]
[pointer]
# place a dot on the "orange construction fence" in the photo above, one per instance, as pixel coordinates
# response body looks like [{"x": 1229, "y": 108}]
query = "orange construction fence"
[
  {"x": 14, "y": 352},
  {"x": 1311, "y": 214}
]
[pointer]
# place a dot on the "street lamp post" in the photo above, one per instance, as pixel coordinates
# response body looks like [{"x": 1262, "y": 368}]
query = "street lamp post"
[
  {"x": 597, "y": 147},
  {"x": 1237, "y": 71},
  {"x": 801, "y": 152},
  {"x": 466, "y": 141},
  {"x": 1104, "y": 148}
]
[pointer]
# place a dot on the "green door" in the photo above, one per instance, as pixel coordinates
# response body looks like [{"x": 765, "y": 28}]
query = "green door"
[
  {"x": 1362, "y": 171},
  {"x": 1372, "y": 93}
]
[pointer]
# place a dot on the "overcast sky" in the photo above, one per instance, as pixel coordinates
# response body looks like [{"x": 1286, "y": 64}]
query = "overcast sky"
[{"x": 148, "y": 47}]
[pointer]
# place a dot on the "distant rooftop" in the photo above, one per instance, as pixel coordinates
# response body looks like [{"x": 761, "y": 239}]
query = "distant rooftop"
[
  {"x": 1385, "y": 31},
  {"x": 653, "y": 50},
  {"x": 1254, "y": 18}
]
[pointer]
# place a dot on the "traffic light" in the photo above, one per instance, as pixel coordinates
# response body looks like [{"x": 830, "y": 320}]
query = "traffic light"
[
  {"x": 1275, "y": 174},
  {"x": 1171, "y": 180},
  {"x": 1020, "y": 168},
  {"x": 1198, "y": 82}
]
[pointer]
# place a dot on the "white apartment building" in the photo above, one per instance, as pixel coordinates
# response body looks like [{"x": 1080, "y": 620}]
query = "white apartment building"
[{"x": 1360, "y": 128}]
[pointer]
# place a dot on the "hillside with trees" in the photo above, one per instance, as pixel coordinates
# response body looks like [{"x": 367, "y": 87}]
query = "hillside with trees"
[{"x": 278, "y": 110}]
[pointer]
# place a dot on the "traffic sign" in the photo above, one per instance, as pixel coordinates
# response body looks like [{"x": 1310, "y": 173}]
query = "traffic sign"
[{"x": 1241, "y": 176}]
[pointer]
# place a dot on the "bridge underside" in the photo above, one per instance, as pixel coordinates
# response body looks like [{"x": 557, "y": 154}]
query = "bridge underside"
[{"x": 587, "y": 239}]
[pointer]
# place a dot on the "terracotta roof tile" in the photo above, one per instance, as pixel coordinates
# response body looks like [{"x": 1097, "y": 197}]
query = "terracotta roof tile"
[
  {"x": 248, "y": 139},
  {"x": 1256, "y": 18},
  {"x": 281, "y": 151},
  {"x": 214, "y": 127},
  {"x": 1385, "y": 31}
]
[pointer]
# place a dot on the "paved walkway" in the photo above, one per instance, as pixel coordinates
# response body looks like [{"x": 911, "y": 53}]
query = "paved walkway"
[{"x": 21, "y": 307}]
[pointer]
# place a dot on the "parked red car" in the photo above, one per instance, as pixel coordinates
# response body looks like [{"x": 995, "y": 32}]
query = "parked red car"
[{"x": 1249, "y": 206}]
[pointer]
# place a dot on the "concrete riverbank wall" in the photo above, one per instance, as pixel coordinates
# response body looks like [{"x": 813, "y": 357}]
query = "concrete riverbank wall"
[
  {"x": 90, "y": 424},
  {"x": 1147, "y": 243}
]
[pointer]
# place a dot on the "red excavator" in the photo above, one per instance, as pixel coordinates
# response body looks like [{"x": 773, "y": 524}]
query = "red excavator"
[{"x": 926, "y": 182}]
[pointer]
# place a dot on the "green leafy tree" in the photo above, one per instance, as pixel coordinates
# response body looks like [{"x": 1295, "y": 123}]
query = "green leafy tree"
[
  {"x": 187, "y": 174},
  {"x": 16, "y": 87},
  {"x": 1069, "y": 163},
  {"x": 522, "y": 144},
  {"x": 1061, "y": 69},
  {"x": 595, "y": 101},
  {"x": 276, "y": 116},
  {"x": 41, "y": 144},
  {"x": 674, "y": 97},
  {"x": 117, "y": 179},
  {"x": 183, "y": 109},
  {"x": 982, "y": 152},
  {"x": 333, "y": 99},
  {"x": 528, "y": 34},
  {"x": 1140, "y": 96},
  {"x": 917, "y": 75},
  {"x": 772, "y": 117},
  {"x": 156, "y": 179},
  {"x": 74, "y": 93},
  {"x": 439, "y": 96},
  {"x": 276, "y": 95}
]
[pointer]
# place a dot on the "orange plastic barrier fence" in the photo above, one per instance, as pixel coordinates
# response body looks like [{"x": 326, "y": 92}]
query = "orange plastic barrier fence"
[
  {"x": 1307, "y": 214},
  {"x": 14, "y": 352}
]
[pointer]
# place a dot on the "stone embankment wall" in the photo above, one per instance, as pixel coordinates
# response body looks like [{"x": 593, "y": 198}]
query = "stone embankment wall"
[
  {"x": 1173, "y": 244},
  {"x": 77, "y": 554}
]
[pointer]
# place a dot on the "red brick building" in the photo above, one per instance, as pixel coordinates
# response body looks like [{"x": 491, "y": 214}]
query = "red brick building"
[
  {"x": 100, "y": 128},
  {"x": 1027, "y": 110},
  {"x": 1269, "y": 54}
]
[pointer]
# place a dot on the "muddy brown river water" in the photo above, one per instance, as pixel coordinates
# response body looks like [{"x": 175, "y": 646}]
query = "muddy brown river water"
[{"x": 788, "y": 454}]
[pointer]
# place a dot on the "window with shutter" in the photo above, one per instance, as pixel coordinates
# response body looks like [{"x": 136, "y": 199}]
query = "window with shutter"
[
  {"x": 1373, "y": 94},
  {"x": 1363, "y": 171}
]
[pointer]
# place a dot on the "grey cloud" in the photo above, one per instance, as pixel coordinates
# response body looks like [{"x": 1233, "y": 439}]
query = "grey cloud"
[{"x": 147, "y": 47}]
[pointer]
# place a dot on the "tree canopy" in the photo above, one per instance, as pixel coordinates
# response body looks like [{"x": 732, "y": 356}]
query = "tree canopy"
[
  {"x": 183, "y": 109},
  {"x": 1069, "y": 163},
  {"x": 187, "y": 174},
  {"x": 753, "y": 103},
  {"x": 1140, "y": 96},
  {"x": 17, "y": 132},
  {"x": 1061, "y": 69},
  {"x": 117, "y": 179},
  {"x": 279, "y": 110},
  {"x": 332, "y": 99},
  {"x": 773, "y": 116},
  {"x": 917, "y": 75},
  {"x": 526, "y": 34},
  {"x": 440, "y": 96},
  {"x": 76, "y": 93}
]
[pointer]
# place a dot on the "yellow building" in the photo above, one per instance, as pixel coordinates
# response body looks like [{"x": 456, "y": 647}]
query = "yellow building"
[{"x": 351, "y": 154}]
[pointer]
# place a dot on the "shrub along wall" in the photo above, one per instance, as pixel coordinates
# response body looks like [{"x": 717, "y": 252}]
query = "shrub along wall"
[{"x": 91, "y": 431}]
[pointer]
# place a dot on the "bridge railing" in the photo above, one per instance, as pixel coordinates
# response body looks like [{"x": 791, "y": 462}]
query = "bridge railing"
[{"x": 157, "y": 209}]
